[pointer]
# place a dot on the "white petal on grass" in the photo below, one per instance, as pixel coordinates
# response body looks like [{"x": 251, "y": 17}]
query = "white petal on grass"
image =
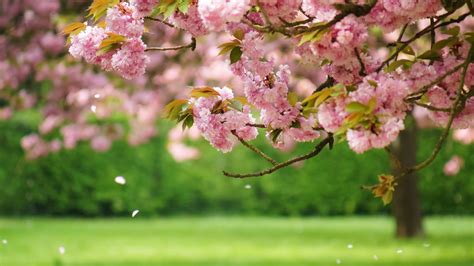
[
  {"x": 134, "y": 213},
  {"x": 248, "y": 186},
  {"x": 4, "y": 241},
  {"x": 62, "y": 250},
  {"x": 399, "y": 251},
  {"x": 120, "y": 180},
  {"x": 338, "y": 261},
  {"x": 376, "y": 257},
  {"x": 350, "y": 246}
]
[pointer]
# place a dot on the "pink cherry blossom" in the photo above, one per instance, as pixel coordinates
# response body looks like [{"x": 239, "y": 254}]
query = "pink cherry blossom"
[
  {"x": 453, "y": 166},
  {"x": 216, "y": 13},
  {"x": 131, "y": 61},
  {"x": 123, "y": 19}
]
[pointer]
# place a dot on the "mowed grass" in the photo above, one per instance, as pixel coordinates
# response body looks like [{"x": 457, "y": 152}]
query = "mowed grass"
[{"x": 233, "y": 241}]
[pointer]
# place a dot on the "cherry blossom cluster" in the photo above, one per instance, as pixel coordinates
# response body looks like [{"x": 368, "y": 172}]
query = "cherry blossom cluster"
[
  {"x": 125, "y": 20},
  {"x": 18, "y": 19},
  {"x": 377, "y": 127},
  {"x": 219, "y": 126},
  {"x": 381, "y": 59}
]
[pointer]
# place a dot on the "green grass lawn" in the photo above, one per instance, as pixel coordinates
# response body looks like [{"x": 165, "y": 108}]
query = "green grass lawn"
[{"x": 232, "y": 241}]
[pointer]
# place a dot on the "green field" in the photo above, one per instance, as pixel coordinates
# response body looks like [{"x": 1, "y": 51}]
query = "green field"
[{"x": 232, "y": 241}]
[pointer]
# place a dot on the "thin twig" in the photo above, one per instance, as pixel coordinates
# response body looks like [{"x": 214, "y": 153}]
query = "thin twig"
[
  {"x": 312, "y": 154},
  {"x": 393, "y": 158},
  {"x": 400, "y": 37},
  {"x": 455, "y": 109},
  {"x": 404, "y": 44},
  {"x": 256, "y": 125},
  {"x": 433, "y": 32},
  {"x": 161, "y": 21},
  {"x": 326, "y": 84},
  {"x": 255, "y": 149},
  {"x": 191, "y": 46},
  {"x": 433, "y": 108},
  {"x": 306, "y": 15},
  {"x": 362, "y": 66},
  {"x": 424, "y": 89}
]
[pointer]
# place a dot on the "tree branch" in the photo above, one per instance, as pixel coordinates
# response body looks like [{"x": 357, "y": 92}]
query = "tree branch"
[
  {"x": 191, "y": 46},
  {"x": 455, "y": 110},
  {"x": 362, "y": 71},
  {"x": 161, "y": 21},
  {"x": 416, "y": 95},
  {"x": 254, "y": 149},
  {"x": 312, "y": 154},
  {"x": 432, "y": 108},
  {"x": 421, "y": 33},
  {"x": 257, "y": 125}
]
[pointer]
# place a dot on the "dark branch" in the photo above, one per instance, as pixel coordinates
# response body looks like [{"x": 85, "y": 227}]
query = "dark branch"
[
  {"x": 191, "y": 46},
  {"x": 362, "y": 71},
  {"x": 456, "y": 108},
  {"x": 428, "y": 29},
  {"x": 161, "y": 21},
  {"x": 312, "y": 154},
  {"x": 255, "y": 149}
]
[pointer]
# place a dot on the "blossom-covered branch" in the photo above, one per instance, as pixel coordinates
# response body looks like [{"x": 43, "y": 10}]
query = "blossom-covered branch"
[{"x": 372, "y": 82}]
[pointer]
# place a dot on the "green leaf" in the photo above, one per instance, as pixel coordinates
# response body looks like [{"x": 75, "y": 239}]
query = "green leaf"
[
  {"x": 469, "y": 37},
  {"x": 239, "y": 34},
  {"x": 306, "y": 37},
  {"x": 371, "y": 105},
  {"x": 356, "y": 107},
  {"x": 236, "y": 104},
  {"x": 183, "y": 6},
  {"x": 188, "y": 121},
  {"x": 373, "y": 83},
  {"x": 407, "y": 50},
  {"x": 396, "y": 64},
  {"x": 451, "y": 5},
  {"x": 449, "y": 42},
  {"x": 74, "y": 28},
  {"x": 111, "y": 43},
  {"x": 325, "y": 62},
  {"x": 174, "y": 108},
  {"x": 98, "y": 8},
  {"x": 430, "y": 55},
  {"x": 315, "y": 35},
  {"x": 235, "y": 55},
  {"x": 203, "y": 92},
  {"x": 274, "y": 134},
  {"x": 453, "y": 31},
  {"x": 228, "y": 46},
  {"x": 292, "y": 98}
]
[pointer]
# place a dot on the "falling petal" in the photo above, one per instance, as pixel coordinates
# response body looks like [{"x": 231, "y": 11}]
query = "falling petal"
[
  {"x": 120, "y": 180},
  {"x": 350, "y": 246},
  {"x": 97, "y": 96},
  {"x": 134, "y": 213},
  {"x": 426, "y": 245},
  {"x": 376, "y": 257},
  {"x": 94, "y": 108},
  {"x": 399, "y": 251},
  {"x": 4, "y": 241},
  {"x": 62, "y": 250},
  {"x": 248, "y": 186},
  {"x": 338, "y": 261}
]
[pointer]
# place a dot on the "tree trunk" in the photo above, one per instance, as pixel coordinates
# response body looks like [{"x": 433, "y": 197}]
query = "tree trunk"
[{"x": 406, "y": 199}]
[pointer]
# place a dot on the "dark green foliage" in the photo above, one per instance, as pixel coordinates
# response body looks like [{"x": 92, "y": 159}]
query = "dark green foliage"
[{"x": 81, "y": 181}]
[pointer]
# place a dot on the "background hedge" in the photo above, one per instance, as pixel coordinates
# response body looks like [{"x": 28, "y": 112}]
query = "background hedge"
[{"x": 80, "y": 182}]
